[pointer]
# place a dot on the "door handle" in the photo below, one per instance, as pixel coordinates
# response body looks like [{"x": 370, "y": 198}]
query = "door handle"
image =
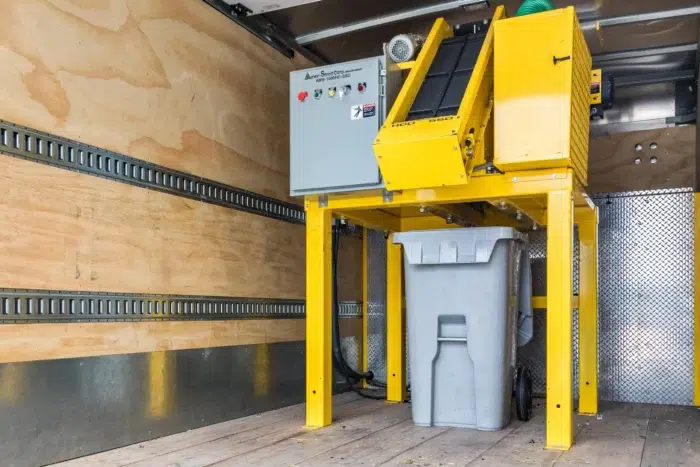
[{"x": 560, "y": 59}]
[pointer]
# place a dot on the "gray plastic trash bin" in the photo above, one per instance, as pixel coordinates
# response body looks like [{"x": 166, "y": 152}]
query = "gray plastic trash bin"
[{"x": 468, "y": 302}]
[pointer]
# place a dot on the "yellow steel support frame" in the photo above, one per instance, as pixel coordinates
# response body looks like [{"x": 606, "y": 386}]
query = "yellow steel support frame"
[
  {"x": 395, "y": 329},
  {"x": 556, "y": 186},
  {"x": 696, "y": 346},
  {"x": 523, "y": 184},
  {"x": 560, "y": 237},
  {"x": 541, "y": 302},
  {"x": 587, "y": 221},
  {"x": 318, "y": 316}
]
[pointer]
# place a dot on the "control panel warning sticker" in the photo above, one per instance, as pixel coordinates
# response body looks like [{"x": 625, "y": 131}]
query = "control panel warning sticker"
[{"x": 358, "y": 112}]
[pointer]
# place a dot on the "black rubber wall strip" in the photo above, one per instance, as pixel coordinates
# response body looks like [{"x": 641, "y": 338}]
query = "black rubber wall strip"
[
  {"x": 31, "y": 306},
  {"x": 37, "y": 146}
]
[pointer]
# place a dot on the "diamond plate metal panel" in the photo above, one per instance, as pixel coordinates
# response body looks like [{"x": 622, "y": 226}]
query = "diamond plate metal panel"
[
  {"x": 645, "y": 324},
  {"x": 350, "y": 346},
  {"x": 538, "y": 258},
  {"x": 534, "y": 355},
  {"x": 538, "y": 255},
  {"x": 376, "y": 304},
  {"x": 646, "y": 297}
]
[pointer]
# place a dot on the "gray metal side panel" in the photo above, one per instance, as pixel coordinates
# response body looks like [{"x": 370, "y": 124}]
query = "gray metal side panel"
[
  {"x": 62, "y": 409},
  {"x": 329, "y": 149},
  {"x": 57, "y": 410}
]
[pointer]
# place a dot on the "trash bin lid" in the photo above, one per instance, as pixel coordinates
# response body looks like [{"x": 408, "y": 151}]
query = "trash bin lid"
[{"x": 454, "y": 246}]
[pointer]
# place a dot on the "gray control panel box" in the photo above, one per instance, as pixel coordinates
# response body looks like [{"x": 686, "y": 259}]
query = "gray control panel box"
[{"x": 335, "y": 114}]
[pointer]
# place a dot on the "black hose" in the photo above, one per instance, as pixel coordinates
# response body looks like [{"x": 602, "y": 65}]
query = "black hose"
[
  {"x": 339, "y": 362},
  {"x": 354, "y": 389},
  {"x": 352, "y": 377},
  {"x": 342, "y": 365}
]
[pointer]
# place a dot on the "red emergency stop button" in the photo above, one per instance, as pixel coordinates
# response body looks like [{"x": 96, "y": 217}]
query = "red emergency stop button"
[
  {"x": 361, "y": 87},
  {"x": 302, "y": 96}
]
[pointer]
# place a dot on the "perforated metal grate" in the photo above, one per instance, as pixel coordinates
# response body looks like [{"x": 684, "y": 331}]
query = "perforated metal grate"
[
  {"x": 538, "y": 258},
  {"x": 376, "y": 300},
  {"x": 350, "y": 346},
  {"x": 534, "y": 354}
]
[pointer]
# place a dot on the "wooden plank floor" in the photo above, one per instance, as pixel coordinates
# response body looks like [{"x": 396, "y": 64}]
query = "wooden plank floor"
[{"x": 374, "y": 433}]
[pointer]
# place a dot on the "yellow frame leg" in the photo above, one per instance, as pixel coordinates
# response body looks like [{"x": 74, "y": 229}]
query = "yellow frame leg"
[
  {"x": 395, "y": 339},
  {"x": 319, "y": 378},
  {"x": 560, "y": 236},
  {"x": 587, "y": 220}
]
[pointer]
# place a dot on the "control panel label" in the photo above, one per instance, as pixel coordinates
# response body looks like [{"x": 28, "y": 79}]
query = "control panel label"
[
  {"x": 358, "y": 112},
  {"x": 332, "y": 75}
]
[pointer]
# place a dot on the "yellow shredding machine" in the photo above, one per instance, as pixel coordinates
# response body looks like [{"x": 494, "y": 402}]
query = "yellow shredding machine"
[
  {"x": 497, "y": 118},
  {"x": 535, "y": 117}
]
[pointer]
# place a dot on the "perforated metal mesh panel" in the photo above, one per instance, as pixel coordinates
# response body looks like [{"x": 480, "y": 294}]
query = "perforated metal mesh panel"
[
  {"x": 646, "y": 297},
  {"x": 376, "y": 300},
  {"x": 352, "y": 351},
  {"x": 534, "y": 354},
  {"x": 538, "y": 254}
]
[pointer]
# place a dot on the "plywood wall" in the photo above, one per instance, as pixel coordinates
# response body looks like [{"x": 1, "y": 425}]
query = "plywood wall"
[
  {"x": 169, "y": 81},
  {"x": 30, "y": 342},
  {"x": 612, "y": 167},
  {"x": 68, "y": 231}
]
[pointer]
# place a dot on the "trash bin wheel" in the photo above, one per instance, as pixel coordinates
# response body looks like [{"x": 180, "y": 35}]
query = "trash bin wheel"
[{"x": 523, "y": 394}]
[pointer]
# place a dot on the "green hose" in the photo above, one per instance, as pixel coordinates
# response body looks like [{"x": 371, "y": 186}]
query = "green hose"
[{"x": 534, "y": 6}]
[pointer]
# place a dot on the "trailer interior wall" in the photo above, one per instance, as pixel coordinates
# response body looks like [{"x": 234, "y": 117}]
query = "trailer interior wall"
[
  {"x": 613, "y": 166},
  {"x": 176, "y": 83}
]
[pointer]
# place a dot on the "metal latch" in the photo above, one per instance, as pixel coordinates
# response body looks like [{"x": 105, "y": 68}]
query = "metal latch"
[{"x": 561, "y": 59}]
